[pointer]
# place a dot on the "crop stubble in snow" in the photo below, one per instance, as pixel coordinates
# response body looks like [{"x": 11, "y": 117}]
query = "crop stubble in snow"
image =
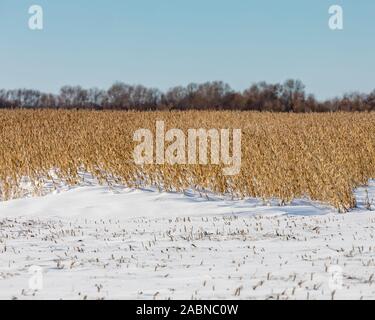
[{"x": 246, "y": 257}]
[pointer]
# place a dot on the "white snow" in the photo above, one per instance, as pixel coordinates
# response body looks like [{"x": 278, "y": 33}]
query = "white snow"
[
  {"x": 121, "y": 203},
  {"x": 97, "y": 242}
]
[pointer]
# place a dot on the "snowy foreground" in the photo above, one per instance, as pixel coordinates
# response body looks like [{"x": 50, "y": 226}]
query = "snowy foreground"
[{"x": 94, "y": 242}]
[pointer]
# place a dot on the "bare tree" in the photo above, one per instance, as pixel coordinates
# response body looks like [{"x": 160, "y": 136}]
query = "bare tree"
[{"x": 287, "y": 97}]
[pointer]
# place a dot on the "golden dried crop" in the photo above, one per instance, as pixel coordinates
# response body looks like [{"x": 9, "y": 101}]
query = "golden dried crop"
[{"x": 284, "y": 156}]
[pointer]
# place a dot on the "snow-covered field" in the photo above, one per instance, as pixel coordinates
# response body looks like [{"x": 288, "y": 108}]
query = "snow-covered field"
[{"x": 96, "y": 242}]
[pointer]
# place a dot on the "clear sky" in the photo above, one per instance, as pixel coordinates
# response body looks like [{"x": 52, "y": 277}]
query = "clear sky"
[{"x": 163, "y": 43}]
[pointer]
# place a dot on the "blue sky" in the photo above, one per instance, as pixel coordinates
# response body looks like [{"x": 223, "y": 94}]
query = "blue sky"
[{"x": 163, "y": 43}]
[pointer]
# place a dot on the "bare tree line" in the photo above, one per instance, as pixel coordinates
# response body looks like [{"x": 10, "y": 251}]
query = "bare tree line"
[{"x": 287, "y": 97}]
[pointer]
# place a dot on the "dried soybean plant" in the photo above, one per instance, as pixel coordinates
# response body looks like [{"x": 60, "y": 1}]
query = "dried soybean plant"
[{"x": 284, "y": 156}]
